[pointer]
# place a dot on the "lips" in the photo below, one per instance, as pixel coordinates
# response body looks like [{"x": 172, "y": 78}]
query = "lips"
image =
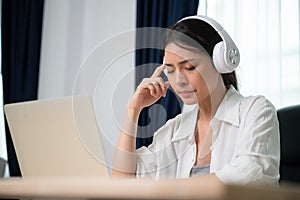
[{"x": 186, "y": 94}]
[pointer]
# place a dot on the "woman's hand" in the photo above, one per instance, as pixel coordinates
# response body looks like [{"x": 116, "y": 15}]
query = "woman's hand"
[{"x": 149, "y": 90}]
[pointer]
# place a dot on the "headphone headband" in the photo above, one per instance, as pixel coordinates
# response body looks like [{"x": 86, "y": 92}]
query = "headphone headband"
[{"x": 226, "y": 56}]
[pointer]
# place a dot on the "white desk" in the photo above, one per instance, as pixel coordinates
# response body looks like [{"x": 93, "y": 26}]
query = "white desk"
[{"x": 90, "y": 188}]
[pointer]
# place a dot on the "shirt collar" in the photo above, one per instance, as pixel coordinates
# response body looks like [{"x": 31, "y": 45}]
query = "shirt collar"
[
  {"x": 229, "y": 108},
  {"x": 187, "y": 124}
]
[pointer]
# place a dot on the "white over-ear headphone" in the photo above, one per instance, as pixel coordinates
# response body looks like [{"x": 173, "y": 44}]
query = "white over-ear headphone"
[{"x": 226, "y": 56}]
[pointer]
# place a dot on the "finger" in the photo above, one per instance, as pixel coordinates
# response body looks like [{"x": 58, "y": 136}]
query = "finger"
[
  {"x": 163, "y": 87},
  {"x": 163, "y": 91},
  {"x": 144, "y": 83},
  {"x": 167, "y": 84},
  {"x": 151, "y": 89},
  {"x": 158, "y": 71},
  {"x": 160, "y": 81},
  {"x": 156, "y": 86},
  {"x": 158, "y": 90},
  {"x": 162, "y": 84}
]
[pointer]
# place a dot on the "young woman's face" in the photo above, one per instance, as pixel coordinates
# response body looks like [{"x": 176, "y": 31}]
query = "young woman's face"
[{"x": 191, "y": 74}]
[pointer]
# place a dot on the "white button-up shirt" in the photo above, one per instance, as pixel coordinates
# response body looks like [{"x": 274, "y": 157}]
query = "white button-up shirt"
[{"x": 245, "y": 143}]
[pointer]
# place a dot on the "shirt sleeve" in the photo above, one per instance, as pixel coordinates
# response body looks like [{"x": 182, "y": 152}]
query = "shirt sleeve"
[
  {"x": 146, "y": 164},
  {"x": 147, "y": 158},
  {"x": 257, "y": 151}
]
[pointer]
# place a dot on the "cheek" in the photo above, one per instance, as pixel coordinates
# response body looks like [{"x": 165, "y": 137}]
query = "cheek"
[
  {"x": 197, "y": 80},
  {"x": 171, "y": 80},
  {"x": 209, "y": 76}
]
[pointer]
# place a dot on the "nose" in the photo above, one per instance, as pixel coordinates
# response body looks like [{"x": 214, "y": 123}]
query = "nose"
[{"x": 181, "y": 79}]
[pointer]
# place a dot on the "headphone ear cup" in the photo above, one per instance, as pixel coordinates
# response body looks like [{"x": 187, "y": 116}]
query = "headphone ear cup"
[
  {"x": 225, "y": 56},
  {"x": 219, "y": 58}
]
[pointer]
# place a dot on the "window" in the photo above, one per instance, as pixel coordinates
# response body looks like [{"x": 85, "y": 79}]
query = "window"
[{"x": 267, "y": 35}]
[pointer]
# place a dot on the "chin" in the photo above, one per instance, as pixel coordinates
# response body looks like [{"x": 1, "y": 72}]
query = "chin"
[{"x": 189, "y": 101}]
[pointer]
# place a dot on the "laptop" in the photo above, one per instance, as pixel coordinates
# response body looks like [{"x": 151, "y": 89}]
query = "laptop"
[{"x": 57, "y": 137}]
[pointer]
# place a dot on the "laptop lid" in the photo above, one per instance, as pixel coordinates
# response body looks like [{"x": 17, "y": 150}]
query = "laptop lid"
[{"x": 57, "y": 137}]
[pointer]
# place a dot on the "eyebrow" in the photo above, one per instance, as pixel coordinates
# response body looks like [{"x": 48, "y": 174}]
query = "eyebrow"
[{"x": 180, "y": 63}]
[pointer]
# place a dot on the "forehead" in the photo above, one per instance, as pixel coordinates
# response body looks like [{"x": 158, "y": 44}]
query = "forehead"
[{"x": 173, "y": 51}]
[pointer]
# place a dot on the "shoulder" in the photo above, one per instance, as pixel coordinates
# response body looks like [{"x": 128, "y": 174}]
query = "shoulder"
[
  {"x": 258, "y": 114},
  {"x": 237, "y": 108},
  {"x": 253, "y": 103},
  {"x": 246, "y": 103},
  {"x": 257, "y": 105}
]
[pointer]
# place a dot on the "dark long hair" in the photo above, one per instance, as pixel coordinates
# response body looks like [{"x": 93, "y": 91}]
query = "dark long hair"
[{"x": 194, "y": 34}]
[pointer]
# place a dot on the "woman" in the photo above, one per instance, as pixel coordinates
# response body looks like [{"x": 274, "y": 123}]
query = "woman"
[{"x": 226, "y": 138}]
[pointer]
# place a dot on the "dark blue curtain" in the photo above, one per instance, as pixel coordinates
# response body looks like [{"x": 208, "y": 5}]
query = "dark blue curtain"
[
  {"x": 156, "y": 13},
  {"x": 21, "y": 40}
]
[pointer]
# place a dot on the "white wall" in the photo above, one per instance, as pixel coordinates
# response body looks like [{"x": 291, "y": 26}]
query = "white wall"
[{"x": 88, "y": 48}]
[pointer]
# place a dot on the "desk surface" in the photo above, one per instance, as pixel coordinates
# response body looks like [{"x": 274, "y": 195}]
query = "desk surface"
[{"x": 91, "y": 188}]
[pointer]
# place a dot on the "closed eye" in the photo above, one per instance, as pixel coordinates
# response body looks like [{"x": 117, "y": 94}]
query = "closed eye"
[
  {"x": 190, "y": 68},
  {"x": 169, "y": 70}
]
